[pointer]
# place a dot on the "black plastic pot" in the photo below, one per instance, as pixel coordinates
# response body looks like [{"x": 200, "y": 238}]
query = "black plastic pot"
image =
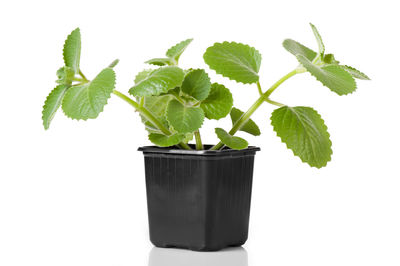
[{"x": 198, "y": 200}]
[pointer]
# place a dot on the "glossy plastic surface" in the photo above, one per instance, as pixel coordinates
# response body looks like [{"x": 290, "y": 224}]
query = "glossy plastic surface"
[{"x": 198, "y": 200}]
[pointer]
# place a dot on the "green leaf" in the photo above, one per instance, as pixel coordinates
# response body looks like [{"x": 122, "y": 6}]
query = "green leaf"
[
  {"x": 176, "y": 51},
  {"x": 113, "y": 63},
  {"x": 166, "y": 141},
  {"x": 157, "y": 105},
  {"x": 184, "y": 119},
  {"x": 330, "y": 59},
  {"x": 159, "y": 61},
  {"x": 52, "y": 103},
  {"x": 142, "y": 75},
  {"x": 250, "y": 126},
  {"x": 304, "y": 132},
  {"x": 218, "y": 103},
  {"x": 197, "y": 84},
  {"x": 296, "y": 48},
  {"x": 332, "y": 76},
  {"x": 72, "y": 50},
  {"x": 235, "y": 61},
  {"x": 88, "y": 100},
  {"x": 159, "y": 81},
  {"x": 321, "y": 46},
  {"x": 65, "y": 75},
  {"x": 355, "y": 73},
  {"x": 232, "y": 142}
]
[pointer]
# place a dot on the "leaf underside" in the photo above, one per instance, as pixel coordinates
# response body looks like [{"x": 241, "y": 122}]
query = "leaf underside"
[
  {"x": 88, "y": 100},
  {"x": 355, "y": 73},
  {"x": 52, "y": 103},
  {"x": 332, "y": 76},
  {"x": 304, "y": 132},
  {"x": 235, "y": 61},
  {"x": 159, "y": 61},
  {"x": 232, "y": 142},
  {"x": 157, "y": 105},
  {"x": 184, "y": 119},
  {"x": 218, "y": 103},
  {"x": 296, "y": 48},
  {"x": 250, "y": 126},
  {"x": 321, "y": 46},
  {"x": 158, "y": 81}
]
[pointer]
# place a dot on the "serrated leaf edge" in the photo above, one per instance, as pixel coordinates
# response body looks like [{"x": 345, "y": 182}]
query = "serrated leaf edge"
[
  {"x": 69, "y": 35},
  {"x": 349, "y": 93},
  {"x": 102, "y": 108},
  {"x": 324, "y": 126},
  {"x": 226, "y": 42}
]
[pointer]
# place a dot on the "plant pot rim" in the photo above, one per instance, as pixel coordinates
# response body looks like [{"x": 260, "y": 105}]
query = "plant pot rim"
[{"x": 174, "y": 150}]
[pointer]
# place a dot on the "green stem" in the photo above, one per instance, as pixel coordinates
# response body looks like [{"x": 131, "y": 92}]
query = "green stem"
[
  {"x": 199, "y": 144},
  {"x": 149, "y": 116},
  {"x": 83, "y": 76},
  {"x": 246, "y": 116},
  {"x": 259, "y": 88}
]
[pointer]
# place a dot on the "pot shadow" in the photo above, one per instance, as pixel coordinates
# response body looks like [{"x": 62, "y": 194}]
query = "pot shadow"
[{"x": 179, "y": 257}]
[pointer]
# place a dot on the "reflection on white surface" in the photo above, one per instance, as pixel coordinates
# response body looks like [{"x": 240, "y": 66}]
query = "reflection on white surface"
[{"x": 179, "y": 257}]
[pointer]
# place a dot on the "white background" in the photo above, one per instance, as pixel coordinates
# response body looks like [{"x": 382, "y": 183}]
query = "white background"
[{"x": 75, "y": 194}]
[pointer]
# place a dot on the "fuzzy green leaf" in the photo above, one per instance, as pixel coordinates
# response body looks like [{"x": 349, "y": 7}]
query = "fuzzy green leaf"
[
  {"x": 235, "y": 61},
  {"x": 157, "y": 105},
  {"x": 218, "y": 103},
  {"x": 142, "y": 75},
  {"x": 72, "y": 50},
  {"x": 296, "y": 48},
  {"x": 232, "y": 142},
  {"x": 321, "y": 46},
  {"x": 159, "y": 61},
  {"x": 88, "y": 100},
  {"x": 330, "y": 59},
  {"x": 159, "y": 81},
  {"x": 197, "y": 84},
  {"x": 166, "y": 141},
  {"x": 52, "y": 103},
  {"x": 332, "y": 76},
  {"x": 176, "y": 51},
  {"x": 250, "y": 126},
  {"x": 304, "y": 132},
  {"x": 355, "y": 73},
  {"x": 184, "y": 119}
]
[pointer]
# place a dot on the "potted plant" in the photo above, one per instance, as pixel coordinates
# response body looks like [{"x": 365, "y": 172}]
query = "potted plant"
[{"x": 199, "y": 195}]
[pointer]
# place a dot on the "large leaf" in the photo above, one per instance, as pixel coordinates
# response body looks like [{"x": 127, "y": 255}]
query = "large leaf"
[
  {"x": 218, "y": 103},
  {"x": 176, "y": 51},
  {"x": 184, "y": 119},
  {"x": 235, "y": 61},
  {"x": 355, "y": 73},
  {"x": 332, "y": 76},
  {"x": 88, "y": 100},
  {"x": 197, "y": 84},
  {"x": 232, "y": 142},
  {"x": 52, "y": 103},
  {"x": 159, "y": 81},
  {"x": 296, "y": 48},
  {"x": 166, "y": 141},
  {"x": 321, "y": 46},
  {"x": 250, "y": 126},
  {"x": 304, "y": 132},
  {"x": 72, "y": 50}
]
